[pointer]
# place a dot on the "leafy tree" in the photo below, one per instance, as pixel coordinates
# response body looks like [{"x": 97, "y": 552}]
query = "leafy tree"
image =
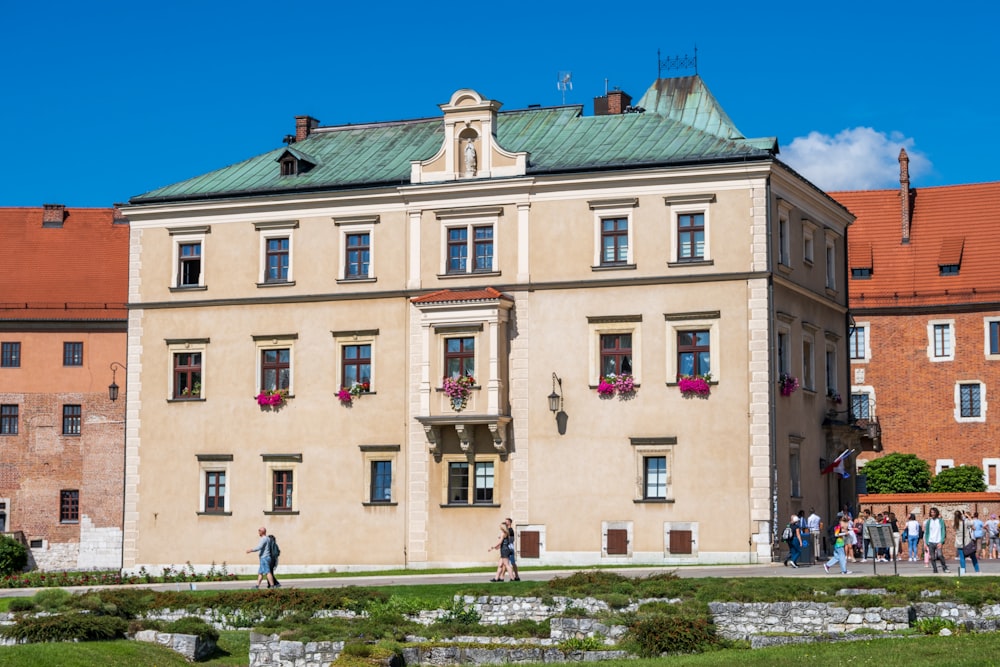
[
  {"x": 13, "y": 556},
  {"x": 961, "y": 479},
  {"x": 898, "y": 473}
]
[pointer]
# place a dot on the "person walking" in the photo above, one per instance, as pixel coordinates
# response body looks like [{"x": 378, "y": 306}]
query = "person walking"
[
  {"x": 978, "y": 533},
  {"x": 794, "y": 542},
  {"x": 934, "y": 534},
  {"x": 912, "y": 538},
  {"x": 511, "y": 542},
  {"x": 503, "y": 546},
  {"x": 993, "y": 531},
  {"x": 815, "y": 525},
  {"x": 964, "y": 535},
  {"x": 263, "y": 550},
  {"x": 840, "y": 542}
]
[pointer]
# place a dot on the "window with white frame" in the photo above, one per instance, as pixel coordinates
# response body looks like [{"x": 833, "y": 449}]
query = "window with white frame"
[
  {"x": 831, "y": 262},
  {"x": 469, "y": 241},
  {"x": 614, "y": 233},
  {"x": 276, "y": 256},
  {"x": 991, "y": 473},
  {"x": 282, "y": 489},
  {"x": 940, "y": 340},
  {"x": 862, "y": 403},
  {"x": 943, "y": 464},
  {"x": 857, "y": 344},
  {"x": 213, "y": 471},
  {"x": 690, "y": 228},
  {"x": 380, "y": 474},
  {"x": 808, "y": 362},
  {"x": 992, "y": 332},
  {"x": 615, "y": 346},
  {"x": 275, "y": 357},
  {"x": 693, "y": 345},
  {"x": 189, "y": 257},
  {"x": 355, "y": 358},
  {"x": 186, "y": 373},
  {"x": 970, "y": 402},
  {"x": 654, "y": 460},
  {"x": 357, "y": 248},
  {"x": 470, "y": 482}
]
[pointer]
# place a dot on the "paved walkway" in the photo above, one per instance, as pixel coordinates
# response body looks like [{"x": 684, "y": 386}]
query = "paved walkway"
[{"x": 859, "y": 569}]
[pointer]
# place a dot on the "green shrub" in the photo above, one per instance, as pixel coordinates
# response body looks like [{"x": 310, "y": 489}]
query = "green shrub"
[
  {"x": 13, "y": 556},
  {"x": 932, "y": 626},
  {"x": 651, "y": 636},
  {"x": 75, "y": 626},
  {"x": 616, "y": 600},
  {"x": 21, "y": 604},
  {"x": 192, "y": 625},
  {"x": 459, "y": 614},
  {"x": 863, "y": 600},
  {"x": 582, "y": 644},
  {"x": 53, "y": 599}
]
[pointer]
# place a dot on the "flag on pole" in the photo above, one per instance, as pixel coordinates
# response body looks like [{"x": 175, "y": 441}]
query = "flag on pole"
[{"x": 838, "y": 464}]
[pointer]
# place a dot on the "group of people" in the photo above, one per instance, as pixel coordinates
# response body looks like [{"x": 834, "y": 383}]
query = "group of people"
[
  {"x": 971, "y": 537},
  {"x": 508, "y": 560}
]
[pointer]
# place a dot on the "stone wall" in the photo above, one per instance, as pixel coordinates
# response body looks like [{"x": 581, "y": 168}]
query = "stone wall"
[{"x": 190, "y": 646}]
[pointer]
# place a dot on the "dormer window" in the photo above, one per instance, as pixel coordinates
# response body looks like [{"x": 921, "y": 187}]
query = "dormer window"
[
  {"x": 948, "y": 269},
  {"x": 293, "y": 162},
  {"x": 950, "y": 258}
]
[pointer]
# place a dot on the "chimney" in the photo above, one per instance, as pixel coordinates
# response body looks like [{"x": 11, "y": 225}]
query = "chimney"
[
  {"x": 53, "y": 215},
  {"x": 904, "y": 192},
  {"x": 617, "y": 101},
  {"x": 303, "y": 126},
  {"x": 117, "y": 217}
]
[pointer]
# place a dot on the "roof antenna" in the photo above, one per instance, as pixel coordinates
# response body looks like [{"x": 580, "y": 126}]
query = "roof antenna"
[
  {"x": 677, "y": 62},
  {"x": 564, "y": 83}
]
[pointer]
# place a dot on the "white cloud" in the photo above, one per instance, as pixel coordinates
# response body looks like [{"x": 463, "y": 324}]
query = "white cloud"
[{"x": 855, "y": 159}]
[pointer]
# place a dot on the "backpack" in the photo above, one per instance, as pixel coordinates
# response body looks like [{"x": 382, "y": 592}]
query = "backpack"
[
  {"x": 273, "y": 546},
  {"x": 787, "y": 534}
]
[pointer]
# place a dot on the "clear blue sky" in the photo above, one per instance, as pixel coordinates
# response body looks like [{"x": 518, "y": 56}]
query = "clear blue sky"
[{"x": 104, "y": 101}]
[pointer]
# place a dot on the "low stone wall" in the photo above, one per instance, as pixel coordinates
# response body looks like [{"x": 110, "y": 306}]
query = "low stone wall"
[
  {"x": 190, "y": 646},
  {"x": 271, "y": 651},
  {"x": 478, "y": 655}
]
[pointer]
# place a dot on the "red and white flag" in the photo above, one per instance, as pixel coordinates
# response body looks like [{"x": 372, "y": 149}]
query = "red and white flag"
[{"x": 838, "y": 464}]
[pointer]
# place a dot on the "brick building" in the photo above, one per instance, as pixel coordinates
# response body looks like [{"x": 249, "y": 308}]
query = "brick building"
[
  {"x": 925, "y": 299},
  {"x": 63, "y": 324}
]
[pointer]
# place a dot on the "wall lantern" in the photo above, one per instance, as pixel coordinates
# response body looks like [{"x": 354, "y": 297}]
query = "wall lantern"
[
  {"x": 113, "y": 387},
  {"x": 555, "y": 400}
]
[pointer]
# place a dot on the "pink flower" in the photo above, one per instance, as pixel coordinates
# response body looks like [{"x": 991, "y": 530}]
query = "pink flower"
[{"x": 694, "y": 385}]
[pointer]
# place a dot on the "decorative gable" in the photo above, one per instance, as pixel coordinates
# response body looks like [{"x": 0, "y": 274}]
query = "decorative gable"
[{"x": 470, "y": 149}]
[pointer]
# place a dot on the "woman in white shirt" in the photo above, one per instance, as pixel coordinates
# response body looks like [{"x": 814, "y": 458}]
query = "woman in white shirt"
[{"x": 912, "y": 537}]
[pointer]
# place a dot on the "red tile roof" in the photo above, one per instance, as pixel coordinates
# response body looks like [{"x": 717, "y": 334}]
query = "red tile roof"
[
  {"x": 448, "y": 295},
  {"x": 955, "y": 224},
  {"x": 77, "y": 271}
]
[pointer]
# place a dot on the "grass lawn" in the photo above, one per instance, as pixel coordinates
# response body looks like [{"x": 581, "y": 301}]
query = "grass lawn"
[{"x": 234, "y": 651}]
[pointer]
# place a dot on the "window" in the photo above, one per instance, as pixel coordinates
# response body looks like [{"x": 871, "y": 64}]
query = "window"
[
  {"x": 281, "y": 490},
  {"x": 187, "y": 375},
  {"x": 784, "y": 241},
  {"x": 653, "y": 468},
  {"x": 616, "y": 354},
  {"x": 993, "y": 338},
  {"x": 808, "y": 242},
  {"x": 860, "y": 406},
  {"x": 275, "y": 369},
  {"x": 71, "y": 420},
  {"x": 276, "y": 262},
  {"x": 941, "y": 336},
  {"x": 694, "y": 352},
  {"x": 654, "y": 477},
  {"x": 381, "y": 482},
  {"x": 469, "y": 240},
  {"x": 831, "y": 264},
  {"x": 832, "y": 383},
  {"x": 356, "y": 364},
  {"x": 188, "y": 257},
  {"x": 189, "y": 264},
  {"x": 857, "y": 346},
  {"x": 970, "y": 402},
  {"x": 480, "y": 474},
  {"x": 795, "y": 471},
  {"x": 690, "y": 237},
  {"x": 72, "y": 354},
  {"x": 459, "y": 357},
  {"x": 358, "y": 256},
  {"x": 614, "y": 241},
  {"x": 948, "y": 269},
  {"x": 69, "y": 506},
  {"x": 784, "y": 352},
  {"x": 863, "y": 273},
  {"x": 808, "y": 370},
  {"x": 215, "y": 491},
  {"x": 8, "y": 419},
  {"x": 10, "y": 355}
]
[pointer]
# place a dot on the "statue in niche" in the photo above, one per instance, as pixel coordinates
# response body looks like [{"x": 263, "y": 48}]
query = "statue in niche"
[{"x": 470, "y": 159}]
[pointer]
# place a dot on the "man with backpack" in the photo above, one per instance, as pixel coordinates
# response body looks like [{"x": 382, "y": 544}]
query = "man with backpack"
[{"x": 263, "y": 550}]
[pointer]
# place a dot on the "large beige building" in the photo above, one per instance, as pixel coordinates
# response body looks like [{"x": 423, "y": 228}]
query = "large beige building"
[{"x": 535, "y": 251}]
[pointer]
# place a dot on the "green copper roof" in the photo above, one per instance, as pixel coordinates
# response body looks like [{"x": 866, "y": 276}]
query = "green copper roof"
[{"x": 682, "y": 124}]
